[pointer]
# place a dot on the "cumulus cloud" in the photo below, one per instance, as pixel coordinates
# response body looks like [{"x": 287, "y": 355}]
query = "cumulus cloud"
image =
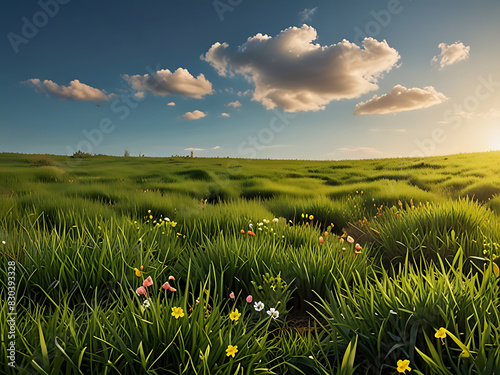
[
  {"x": 401, "y": 99},
  {"x": 171, "y": 104},
  {"x": 223, "y": 114},
  {"x": 195, "y": 115},
  {"x": 164, "y": 82},
  {"x": 451, "y": 53},
  {"x": 139, "y": 94},
  {"x": 234, "y": 104},
  {"x": 306, "y": 14},
  {"x": 75, "y": 91},
  {"x": 292, "y": 72}
]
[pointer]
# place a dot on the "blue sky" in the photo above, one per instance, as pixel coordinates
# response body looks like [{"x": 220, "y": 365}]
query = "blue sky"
[{"x": 304, "y": 82}]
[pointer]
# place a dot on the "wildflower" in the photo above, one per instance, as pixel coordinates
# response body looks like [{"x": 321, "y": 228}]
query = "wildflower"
[
  {"x": 326, "y": 234},
  {"x": 150, "y": 217},
  {"x": 242, "y": 231},
  {"x": 146, "y": 303},
  {"x": 350, "y": 239},
  {"x": 273, "y": 313},
  {"x": 343, "y": 249},
  {"x": 250, "y": 225},
  {"x": 258, "y": 306},
  {"x": 249, "y": 299},
  {"x": 302, "y": 216},
  {"x": 142, "y": 268},
  {"x": 167, "y": 286},
  {"x": 3, "y": 242},
  {"x": 149, "y": 211},
  {"x": 393, "y": 312},
  {"x": 167, "y": 219},
  {"x": 341, "y": 240},
  {"x": 358, "y": 247},
  {"x": 441, "y": 334},
  {"x": 231, "y": 350},
  {"x": 231, "y": 295},
  {"x": 141, "y": 291},
  {"x": 321, "y": 240},
  {"x": 496, "y": 270},
  {"x": 403, "y": 366},
  {"x": 356, "y": 253},
  {"x": 235, "y": 315},
  {"x": 275, "y": 220},
  {"x": 137, "y": 272},
  {"x": 147, "y": 282},
  {"x": 250, "y": 233},
  {"x": 177, "y": 312},
  {"x": 311, "y": 217},
  {"x": 265, "y": 221},
  {"x": 171, "y": 278}
]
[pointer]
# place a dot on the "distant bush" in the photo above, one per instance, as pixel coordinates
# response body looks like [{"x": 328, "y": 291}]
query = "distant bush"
[{"x": 81, "y": 154}]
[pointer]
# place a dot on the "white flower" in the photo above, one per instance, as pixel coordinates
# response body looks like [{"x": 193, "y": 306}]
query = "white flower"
[
  {"x": 167, "y": 219},
  {"x": 265, "y": 221},
  {"x": 261, "y": 224},
  {"x": 393, "y": 312},
  {"x": 258, "y": 306},
  {"x": 250, "y": 225},
  {"x": 275, "y": 220},
  {"x": 146, "y": 303},
  {"x": 273, "y": 313},
  {"x": 3, "y": 242}
]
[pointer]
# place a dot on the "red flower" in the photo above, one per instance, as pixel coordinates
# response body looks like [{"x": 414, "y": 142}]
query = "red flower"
[
  {"x": 250, "y": 233},
  {"x": 147, "y": 282}
]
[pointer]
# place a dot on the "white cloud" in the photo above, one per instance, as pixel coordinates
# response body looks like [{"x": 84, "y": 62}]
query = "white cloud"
[
  {"x": 171, "y": 104},
  {"x": 401, "y": 99},
  {"x": 306, "y": 14},
  {"x": 75, "y": 91},
  {"x": 234, "y": 104},
  {"x": 451, "y": 53},
  {"x": 225, "y": 114},
  {"x": 490, "y": 114},
  {"x": 139, "y": 94},
  {"x": 195, "y": 115},
  {"x": 164, "y": 82},
  {"x": 292, "y": 72},
  {"x": 194, "y": 149},
  {"x": 360, "y": 150},
  {"x": 216, "y": 148},
  {"x": 244, "y": 93}
]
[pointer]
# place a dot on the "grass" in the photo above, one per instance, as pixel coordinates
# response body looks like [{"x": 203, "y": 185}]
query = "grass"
[{"x": 82, "y": 235}]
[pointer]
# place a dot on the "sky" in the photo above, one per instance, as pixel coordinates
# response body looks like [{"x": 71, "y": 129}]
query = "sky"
[{"x": 281, "y": 79}]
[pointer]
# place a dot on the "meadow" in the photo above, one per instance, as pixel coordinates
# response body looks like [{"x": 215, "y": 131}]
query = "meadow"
[{"x": 135, "y": 265}]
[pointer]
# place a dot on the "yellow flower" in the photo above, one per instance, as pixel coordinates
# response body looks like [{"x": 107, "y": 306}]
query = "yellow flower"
[
  {"x": 137, "y": 272},
  {"x": 465, "y": 354},
  {"x": 149, "y": 211},
  {"x": 302, "y": 216},
  {"x": 403, "y": 366},
  {"x": 235, "y": 315},
  {"x": 150, "y": 216},
  {"x": 311, "y": 217},
  {"x": 496, "y": 270},
  {"x": 177, "y": 312},
  {"x": 441, "y": 334},
  {"x": 231, "y": 350}
]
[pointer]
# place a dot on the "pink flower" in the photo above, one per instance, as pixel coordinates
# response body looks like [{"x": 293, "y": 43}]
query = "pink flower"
[
  {"x": 321, "y": 240},
  {"x": 231, "y": 295},
  {"x": 167, "y": 286},
  {"x": 249, "y": 299},
  {"x": 141, "y": 291},
  {"x": 358, "y": 247},
  {"x": 147, "y": 282}
]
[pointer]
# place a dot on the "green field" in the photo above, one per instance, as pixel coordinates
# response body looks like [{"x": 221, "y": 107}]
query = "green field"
[{"x": 364, "y": 261}]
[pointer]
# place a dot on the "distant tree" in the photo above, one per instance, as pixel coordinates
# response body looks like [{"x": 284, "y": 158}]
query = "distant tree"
[{"x": 126, "y": 154}]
